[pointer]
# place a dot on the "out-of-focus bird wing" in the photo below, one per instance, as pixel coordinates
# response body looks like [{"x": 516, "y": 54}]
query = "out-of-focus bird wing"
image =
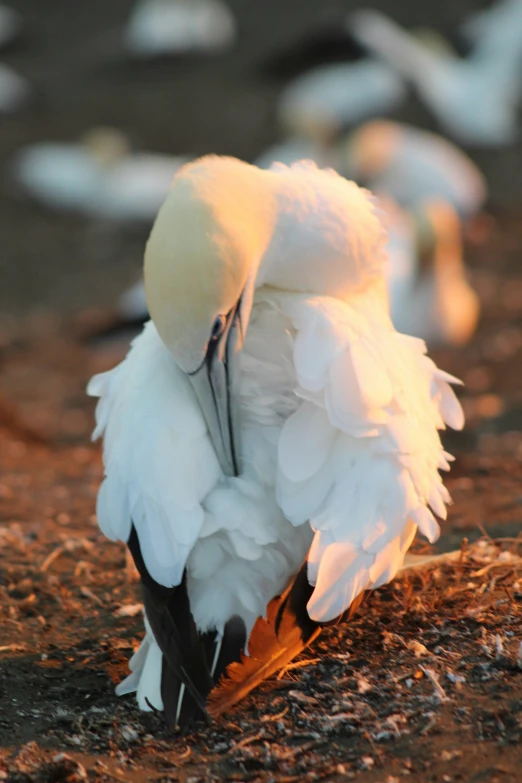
[
  {"x": 323, "y": 101},
  {"x": 156, "y": 28},
  {"x": 412, "y": 165},
  {"x": 359, "y": 459}
]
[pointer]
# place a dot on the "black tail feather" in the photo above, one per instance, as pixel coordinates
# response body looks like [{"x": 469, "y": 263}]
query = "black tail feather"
[
  {"x": 184, "y": 655},
  {"x": 232, "y": 645},
  {"x": 190, "y": 667},
  {"x": 295, "y": 601}
]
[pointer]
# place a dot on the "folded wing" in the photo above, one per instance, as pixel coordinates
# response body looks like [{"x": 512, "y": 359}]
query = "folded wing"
[
  {"x": 159, "y": 462},
  {"x": 360, "y": 458}
]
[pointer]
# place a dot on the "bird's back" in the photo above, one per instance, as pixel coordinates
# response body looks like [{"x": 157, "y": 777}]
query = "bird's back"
[{"x": 328, "y": 238}]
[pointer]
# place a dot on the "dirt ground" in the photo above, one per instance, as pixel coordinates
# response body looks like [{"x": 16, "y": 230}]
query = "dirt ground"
[{"x": 426, "y": 683}]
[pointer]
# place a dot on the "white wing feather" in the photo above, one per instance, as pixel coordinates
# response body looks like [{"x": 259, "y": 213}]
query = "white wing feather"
[
  {"x": 359, "y": 459},
  {"x": 159, "y": 461}
]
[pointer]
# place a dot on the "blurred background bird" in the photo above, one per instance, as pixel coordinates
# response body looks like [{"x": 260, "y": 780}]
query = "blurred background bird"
[
  {"x": 98, "y": 176},
  {"x": 430, "y": 296},
  {"x": 158, "y": 28},
  {"x": 321, "y": 103},
  {"x": 413, "y": 166},
  {"x": 476, "y": 98},
  {"x": 268, "y": 416}
]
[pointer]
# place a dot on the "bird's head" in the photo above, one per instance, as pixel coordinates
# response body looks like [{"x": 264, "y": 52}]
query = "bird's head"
[{"x": 201, "y": 263}]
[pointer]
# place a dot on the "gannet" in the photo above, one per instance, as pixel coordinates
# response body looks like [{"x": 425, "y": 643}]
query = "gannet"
[
  {"x": 321, "y": 103},
  {"x": 269, "y": 433},
  {"x": 475, "y": 99},
  {"x": 430, "y": 296},
  {"x": 99, "y": 176},
  {"x": 169, "y": 27},
  {"x": 413, "y": 166}
]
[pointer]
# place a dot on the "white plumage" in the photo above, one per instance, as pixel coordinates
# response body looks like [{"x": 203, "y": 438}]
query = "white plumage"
[
  {"x": 476, "y": 98},
  {"x": 170, "y": 27},
  {"x": 293, "y": 149},
  {"x": 324, "y": 101},
  {"x": 413, "y": 166},
  {"x": 339, "y": 412},
  {"x": 99, "y": 176},
  {"x": 497, "y": 31},
  {"x": 430, "y": 296}
]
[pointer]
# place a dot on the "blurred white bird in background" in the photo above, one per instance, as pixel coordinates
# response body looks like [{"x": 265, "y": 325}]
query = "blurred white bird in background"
[
  {"x": 413, "y": 165},
  {"x": 476, "y": 98},
  {"x": 323, "y": 102},
  {"x": 496, "y": 31},
  {"x": 169, "y": 27},
  {"x": 430, "y": 296},
  {"x": 268, "y": 416},
  {"x": 99, "y": 176},
  {"x": 319, "y": 105}
]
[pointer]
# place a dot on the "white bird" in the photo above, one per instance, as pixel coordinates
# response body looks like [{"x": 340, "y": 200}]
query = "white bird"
[
  {"x": 475, "y": 99},
  {"x": 269, "y": 414},
  {"x": 15, "y": 90},
  {"x": 167, "y": 27},
  {"x": 430, "y": 296},
  {"x": 322, "y": 102},
  {"x": 413, "y": 166},
  {"x": 99, "y": 176},
  {"x": 10, "y": 25}
]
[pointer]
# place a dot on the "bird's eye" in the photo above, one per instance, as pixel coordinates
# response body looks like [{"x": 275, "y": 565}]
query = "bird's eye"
[{"x": 217, "y": 327}]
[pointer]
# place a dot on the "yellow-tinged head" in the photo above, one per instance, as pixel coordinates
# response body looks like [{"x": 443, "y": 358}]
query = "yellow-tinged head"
[
  {"x": 204, "y": 250},
  {"x": 201, "y": 263}
]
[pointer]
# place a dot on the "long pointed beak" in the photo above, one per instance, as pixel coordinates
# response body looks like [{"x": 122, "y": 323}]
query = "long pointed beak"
[{"x": 215, "y": 385}]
